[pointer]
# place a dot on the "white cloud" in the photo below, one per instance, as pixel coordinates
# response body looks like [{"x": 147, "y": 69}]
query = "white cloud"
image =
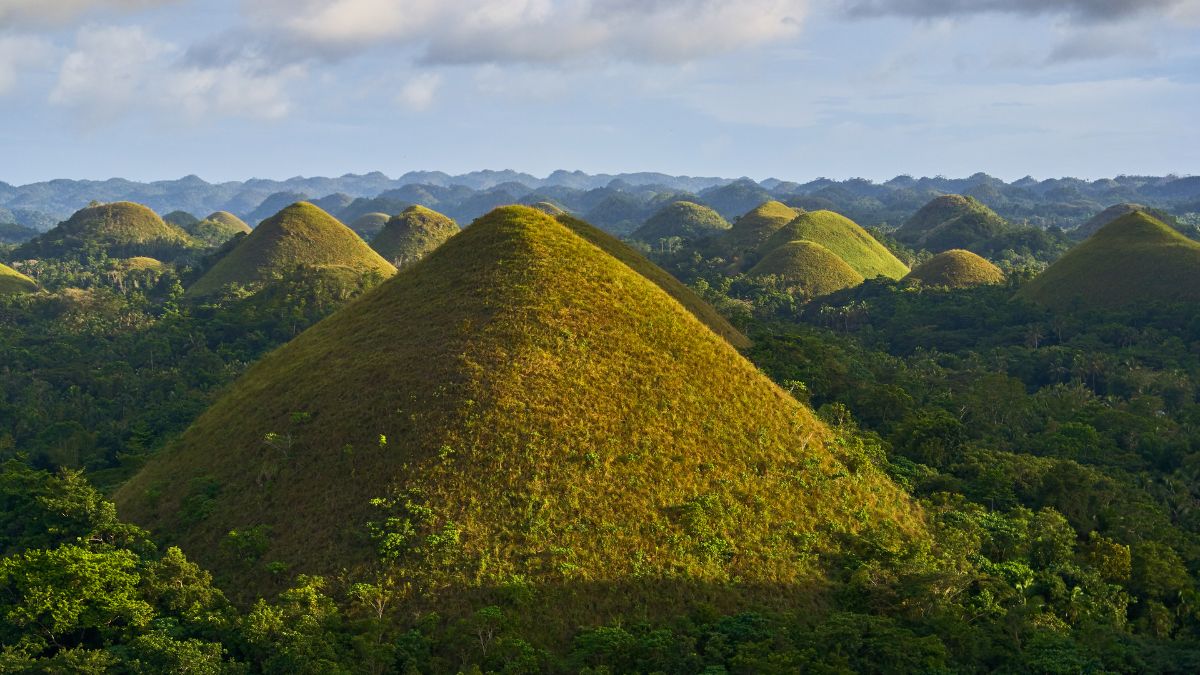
[
  {"x": 113, "y": 70},
  {"x": 61, "y": 11},
  {"x": 500, "y": 31},
  {"x": 109, "y": 70},
  {"x": 418, "y": 93},
  {"x": 18, "y": 52}
]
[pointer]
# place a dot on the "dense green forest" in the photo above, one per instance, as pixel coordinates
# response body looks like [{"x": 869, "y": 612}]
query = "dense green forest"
[{"x": 1054, "y": 454}]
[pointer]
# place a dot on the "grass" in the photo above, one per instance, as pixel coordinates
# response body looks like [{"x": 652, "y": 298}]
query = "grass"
[
  {"x": 956, "y": 268},
  {"x": 809, "y": 265},
  {"x": 413, "y": 234},
  {"x": 1093, "y": 224},
  {"x": 369, "y": 224},
  {"x": 845, "y": 239},
  {"x": 548, "y": 420},
  {"x": 121, "y": 229},
  {"x": 1135, "y": 259},
  {"x": 181, "y": 219},
  {"x": 301, "y": 235},
  {"x": 638, "y": 263},
  {"x": 754, "y": 228},
  {"x": 950, "y": 222},
  {"x": 683, "y": 219},
  {"x": 13, "y": 282},
  {"x": 218, "y": 228},
  {"x": 550, "y": 208}
]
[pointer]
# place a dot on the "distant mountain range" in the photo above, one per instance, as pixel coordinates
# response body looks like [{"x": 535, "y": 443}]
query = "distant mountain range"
[{"x": 620, "y": 202}]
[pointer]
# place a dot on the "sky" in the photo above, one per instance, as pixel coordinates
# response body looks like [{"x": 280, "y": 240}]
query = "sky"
[{"x": 790, "y": 89}]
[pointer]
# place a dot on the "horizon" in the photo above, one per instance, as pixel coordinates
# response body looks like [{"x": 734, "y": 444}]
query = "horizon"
[{"x": 767, "y": 88}]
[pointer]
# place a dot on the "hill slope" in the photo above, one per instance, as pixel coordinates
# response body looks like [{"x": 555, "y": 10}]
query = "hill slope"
[
  {"x": 413, "y": 234},
  {"x": 956, "y": 268},
  {"x": 686, "y": 220},
  {"x": 119, "y": 229},
  {"x": 536, "y": 411},
  {"x": 299, "y": 235},
  {"x": 369, "y": 224},
  {"x": 676, "y": 289},
  {"x": 809, "y": 265},
  {"x": 1093, "y": 224},
  {"x": 1134, "y": 259},
  {"x": 845, "y": 239},
  {"x": 13, "y": 282}
]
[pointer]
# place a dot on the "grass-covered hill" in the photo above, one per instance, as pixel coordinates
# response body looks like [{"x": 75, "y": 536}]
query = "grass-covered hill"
[
  {"x": 844, "y": 238},
  {"x": 369, "y": 224},
  {"x": 809, "y": 265},
  {"x": 537, "y": 422},
  {"x": 755, "y": 227},
  {"x": 687, "y": 220},
  {"x": 300, "y": 235},
  {"x": 413, "y": 234},
  {"x": 956, "y": 268},
  {"x": 120, "y": 229},
  {"x": 1135, "y": 259},
  {"x": 549, "y": 208},
  {"x": 953, "y": 221},
  {"x": 218, "y": 228},
  {"x": 181, "y": 219},
  {"x": 1096, "y": 222},
  {"x": 13, "y": 282},
  {"x": 638, "y": 263}
]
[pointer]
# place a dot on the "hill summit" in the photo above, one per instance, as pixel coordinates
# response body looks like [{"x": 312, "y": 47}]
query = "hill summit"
[
  {"x": 119, "y": 229},
  {"x": 844, "y": 238},
  {"x": 687, "y": 220},
  {"x": 413, "y": 234},
  {"x": 1093, "y": 224},
  {"x": 13, "y": 282},
  {"x": 755, "y": 227},
  {"x": 956, "y": 268},
  {"x": 301, "y": 235},
  {"x": 218, "y": 228},
  {"x": 523, "y": 408},
  {"x": 951, "y": 221},
  {"x": 1135, "y": 259}
]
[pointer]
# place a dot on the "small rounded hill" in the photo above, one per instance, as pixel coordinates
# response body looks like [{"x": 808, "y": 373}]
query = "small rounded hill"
[
  {"x": 956, "y": 268},
  {"x": 949, "y": 222},
  {"x": 844, "y": 238},
  {"x": 687, "y": 220},
  {"x": 547, "y": 414},
  {"x": 809, "y": 265},
  {"x": 413, "y": 234},
  {"x": 550, "y": 208},
  {"x": 301, "y": 235},
  {"x": 119, "y": 229},
  {"x": 218, "y": 228},
  {"x": 751, "y": 230},
  {"x": 1098, "y": 221},
  {"x": 1134, "y": 260},
  {"x": 13, "y": 282}
]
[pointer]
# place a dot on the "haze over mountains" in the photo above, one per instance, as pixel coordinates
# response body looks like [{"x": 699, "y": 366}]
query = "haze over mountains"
[{"x": 620, "y": 202}]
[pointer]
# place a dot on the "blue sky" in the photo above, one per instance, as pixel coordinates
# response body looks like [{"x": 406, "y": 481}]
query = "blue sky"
[{"x": 793, "y": 89}]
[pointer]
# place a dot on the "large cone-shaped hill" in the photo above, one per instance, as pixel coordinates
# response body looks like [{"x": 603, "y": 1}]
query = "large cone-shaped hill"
[
  {"x": 413, "y": 234},
  {"x": 956, "y": 268},
  {"x": 13, "y": 282},
  {"x": 845, "y": 238},
  {"x": 952, "y": 221},
  {"x": 218, "y": 228},
  {"x": 535, "y": 410},
  {"x": 1093, "y": 224},
  {"x": 808, "y": 265},
  {"x": 1136, "y": 259},
  {"x": 686, "y": 220},
  {"x": 119, "y": 229},
  {"x": 754, "y": 228},
  {"x": 301, "y": 235},
  {"x": 682, "y": 294}
]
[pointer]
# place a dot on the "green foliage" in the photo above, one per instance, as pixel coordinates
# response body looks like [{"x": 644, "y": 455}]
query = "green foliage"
[
  {"x": 413, "y": 234},
  {"x": 217, "y": 228},
  {"x": 687, "y": 220},
  {"x": 808, "y": 266},
  {"x": 844, "y": 238},
  {"x": 120, "y": 229}
]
